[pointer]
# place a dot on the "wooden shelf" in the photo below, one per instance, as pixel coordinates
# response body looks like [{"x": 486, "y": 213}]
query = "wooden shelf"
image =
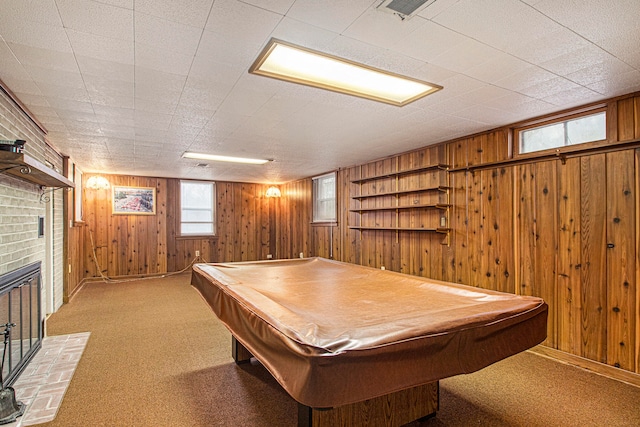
[
  {"x": 403, "y": 172},
  {"x": 29, "y": 169},
  {"x": 393, "y": 208},
  {"x": 403, "y": 179},
  {"x": 433, "y": 230},
  {"x": 400, "y": 192}
]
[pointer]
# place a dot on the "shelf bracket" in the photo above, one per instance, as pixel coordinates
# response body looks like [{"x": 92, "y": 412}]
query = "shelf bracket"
[{"x": 45, "y": 193}]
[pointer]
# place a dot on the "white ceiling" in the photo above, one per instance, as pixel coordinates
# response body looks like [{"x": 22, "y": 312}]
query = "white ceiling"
[{"x": 126, "y": 86}]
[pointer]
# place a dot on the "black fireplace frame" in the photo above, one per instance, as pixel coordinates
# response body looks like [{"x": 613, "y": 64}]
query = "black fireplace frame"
[{"x": 18, "y": 312}]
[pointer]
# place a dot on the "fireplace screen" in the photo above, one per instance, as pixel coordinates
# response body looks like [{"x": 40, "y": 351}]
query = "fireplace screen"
[{"x": 20, "y": 305}]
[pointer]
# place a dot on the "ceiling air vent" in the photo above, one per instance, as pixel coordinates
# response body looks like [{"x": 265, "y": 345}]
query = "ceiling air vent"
[{"x": 404, "y": 8}]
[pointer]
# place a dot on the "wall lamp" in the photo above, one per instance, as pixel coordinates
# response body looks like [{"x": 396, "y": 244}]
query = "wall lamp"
[
  {"x": 273, "y": 191},
  {"x": 97, "y": 182}
]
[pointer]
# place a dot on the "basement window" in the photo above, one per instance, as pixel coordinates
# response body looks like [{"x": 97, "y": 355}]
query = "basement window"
[
  {"x": 590, "y": 127},
  {"x": 324, "y": 198},
  {"x": 197, "y": 209}
]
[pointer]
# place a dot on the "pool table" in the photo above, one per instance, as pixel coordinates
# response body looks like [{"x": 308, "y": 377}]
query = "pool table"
[{"x": 335, "y": 334}]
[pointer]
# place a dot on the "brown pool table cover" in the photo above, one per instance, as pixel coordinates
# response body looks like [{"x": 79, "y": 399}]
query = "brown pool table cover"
[{"x": 333, "y": 333}]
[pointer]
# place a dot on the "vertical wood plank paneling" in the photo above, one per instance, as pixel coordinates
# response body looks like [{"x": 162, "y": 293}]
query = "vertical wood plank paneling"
[
  {"x": 569, "y": 258},
  {"x": 637, "y": 237},
  {"x": 621, "y": 259},
  {"x": 460, "y": 226},
  {"x": 538, "y": 237},
  {"x": 593, "y": 268},
  {"x": 636, "y": 117},
  {"x": 474, "y": 228},
  {"x": 626, "y": 119}
]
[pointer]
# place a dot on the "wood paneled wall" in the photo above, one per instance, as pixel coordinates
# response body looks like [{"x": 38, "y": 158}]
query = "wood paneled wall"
[
  {"x": 134, "y": 245},
  {"x": 564, "y": 229}
]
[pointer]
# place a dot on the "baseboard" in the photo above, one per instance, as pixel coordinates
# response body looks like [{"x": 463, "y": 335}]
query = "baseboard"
[{"x": 608, "y": 371}]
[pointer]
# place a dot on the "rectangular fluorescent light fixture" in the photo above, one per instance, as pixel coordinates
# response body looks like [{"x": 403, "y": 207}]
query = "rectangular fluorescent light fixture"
[
  {"x": 216, "y": 158},
  {"x": 297, "y": 64}
]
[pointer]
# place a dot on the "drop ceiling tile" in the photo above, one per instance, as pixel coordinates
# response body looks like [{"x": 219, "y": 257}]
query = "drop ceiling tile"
[
  {"x": 195, "y": 14},
  {"x": 224, "y": 49},
  {"x": 577, "y": 60},
  {"x": 214, "y": 76},
  {"x": 126, "y": 4},
  {"x": 152, "y": 120},
  {"x": 44, "y": 58},
  {"x": 499, "y": 66},
  {"x": 548, "y": 88},
  {"x": 98, "y": 84},
  {"x": 155, "y": 105},
  {"x": 301, "y": 34},
  {"x": 624, "y": 47},
  {"x": 550, "y": 45},
  {"x": 207, "y": 100},
  {"x": 32, "y": 100},
  {"x": 101, "y": 19},
  {"x": 65, "y": 94},
  {"x": 465, "y": 55},
  {"x": 109, "y": 111},
  {"x": 161, "y": 60},
  {"x": 573, "y": 97},
  {"x": 40, "y": 36},
  {"x": 101, "y": 48},
  {"x": 68, "y": 109},
  {"x": 146, "y": 96},
  {"x": 108, "y": 98},
  {"x": 593, "y": 19},
  {"x": 428, "y": 41},
  {"x": 620, "y": 84},
  {"x": 20, "y": 85},
  {"x": 42, "y": 110},
  {"x": 166, "y": 35},
  {"x": 396, "y": 63},
  {"x": 243, "y": 21},
  {"x": 149, "y": 79},
  {"x": 42, "y": 12},
  {"x": 527, "y": 77},
  {"x": 383, "y": 29},
  {"x": 118, "y": 130},
  {"x": 336, "y": 18},
  {"x": 59, "y": 78},
  {"x": 596, "y": 72},
  {"x": 278, "y": 6}
]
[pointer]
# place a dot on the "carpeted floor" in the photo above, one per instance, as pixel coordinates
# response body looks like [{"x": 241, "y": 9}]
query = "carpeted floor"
[{"x": 158, "y": 356}]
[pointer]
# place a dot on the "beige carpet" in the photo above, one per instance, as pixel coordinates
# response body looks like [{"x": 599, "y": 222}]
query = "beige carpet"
[{"x": 157, "y": 356}]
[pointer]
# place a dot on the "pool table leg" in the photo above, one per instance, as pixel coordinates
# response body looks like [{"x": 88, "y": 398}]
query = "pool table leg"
[
  {"x": 395, "y": 409},
  {"x": 239, "y": 353}
]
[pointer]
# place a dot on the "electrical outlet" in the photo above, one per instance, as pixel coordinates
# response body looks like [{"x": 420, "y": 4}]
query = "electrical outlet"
[
  {"x": 301, "y": 255},
  {"x": 269, "y": 256},
  {"x": 197, "y": 253}
]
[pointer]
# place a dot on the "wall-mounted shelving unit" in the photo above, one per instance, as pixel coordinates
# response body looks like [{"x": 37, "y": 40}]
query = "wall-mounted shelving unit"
[
  {"x": 29, "y": 169},
  {"x": 399, "y": 205}
]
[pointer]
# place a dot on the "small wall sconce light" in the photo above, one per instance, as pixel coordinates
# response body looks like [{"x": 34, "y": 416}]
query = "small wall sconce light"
[
  {"x": 97, "y": 182},
  {"x": 273, "y": 191}
]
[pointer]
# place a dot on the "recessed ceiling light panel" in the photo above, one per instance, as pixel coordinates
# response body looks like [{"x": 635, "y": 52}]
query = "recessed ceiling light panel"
[
  {"x": 296, "y": 64},
  {"x": 216, "y": 158}
]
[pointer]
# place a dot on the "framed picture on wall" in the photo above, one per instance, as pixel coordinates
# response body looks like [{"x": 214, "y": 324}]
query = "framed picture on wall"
[{"x": 134, "y": 200}]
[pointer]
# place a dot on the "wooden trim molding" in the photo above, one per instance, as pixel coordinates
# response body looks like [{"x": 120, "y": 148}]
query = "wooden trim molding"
[{"x": 590, "y": 365}]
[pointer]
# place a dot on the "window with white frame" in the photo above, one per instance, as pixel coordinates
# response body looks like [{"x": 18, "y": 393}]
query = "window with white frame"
[
  {"x": 324, "y": 198},
  {"x": 577, "y": 130},
  {"x": 197, "y": 208}
]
